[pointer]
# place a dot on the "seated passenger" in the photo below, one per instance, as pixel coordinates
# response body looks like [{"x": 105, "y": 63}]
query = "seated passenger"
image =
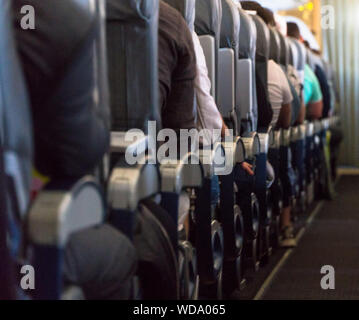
[
  {"x": 177, "y": 70},
  {"x": 313, "y": 97},
  {"x": 280, "y": 97},
  {"x": 208, "y": 115},
  {"x": 324, "y": 84},
  {"x": 279, "y": 91},
  {"x": 71, "y": 134}
]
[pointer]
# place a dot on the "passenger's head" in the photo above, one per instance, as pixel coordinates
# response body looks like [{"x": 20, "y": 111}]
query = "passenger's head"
[
  {"x": 293, "y": 30},
  {"x": 266, "y": 15}
]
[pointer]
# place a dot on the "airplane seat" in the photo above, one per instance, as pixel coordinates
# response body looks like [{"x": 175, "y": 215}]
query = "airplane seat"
[
  {"x": 301, "y": 58},
  {"x": 228, "y": 54},
  {"x": 293, "y": 54},
  {"x": 141, "y": 193},
  {"x": 134, "y": 102},
  {"x": 295, "y": 142},
  {"x": 210, "y": 260},
  {"x": 286, "y": 59},
  {"x": 274, "y": 51},
  {"x": 16, "y": 146},
  {"x": 276, "y": 195},
  {"x": 230, "y": 213},
  {"x": 247, "y": 110},
  {"x": 208, "y": 27},
  {"x": 315, "y": 141},
  {"x": 300, "y": 136},
  {"x": 284, "y": 53},
  {"x": 266, "y": 136},
  {"x": 187, "y": 259},
  {"x": 246, "y": 68},
  {"x": 64, "y": 206}
]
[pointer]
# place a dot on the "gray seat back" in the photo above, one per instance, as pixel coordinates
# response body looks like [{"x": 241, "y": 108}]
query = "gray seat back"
[
  {"x": 302, "y": 56},
  {"x": 228, "y": 58},
  {"x": 263, "y": 39},
  {"x": 262, "y": 56},
  {"x": 294, "y": 54},
  {"x": 208, "y": 26},
  {"x": 284, "y": 50},
  {"x": 187, "y": 8},
  {"x": 132, "y": 41},
  {"x": 274, "y": 52},
  {"x": 246, "y": 85}
]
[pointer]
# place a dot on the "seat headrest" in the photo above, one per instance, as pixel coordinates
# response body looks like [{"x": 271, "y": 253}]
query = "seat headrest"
[
  {"x": 208, "y": 18},
  {"x": 132, "y": 41},
  {"x": 187, "y": 8},
  {"x": 293, "y": 54},
  {"x": 15, "y": 119},
  {"x": 230, "y": 26},
  {"x": 274, "y": 52},
  {"x": 263, "y": 38},
  {"x": 127, "y": 10},
  {"x": 302, "y": 54},
  {"x": 247, "y": 36},
  {"x": 284, "y": 50}
]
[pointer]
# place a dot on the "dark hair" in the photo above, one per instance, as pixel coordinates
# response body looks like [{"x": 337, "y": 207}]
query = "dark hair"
[
  {"x": 266, "y": 15},
  {"x": 293, "y": 30},
  {"x": 306, "y": 43}
]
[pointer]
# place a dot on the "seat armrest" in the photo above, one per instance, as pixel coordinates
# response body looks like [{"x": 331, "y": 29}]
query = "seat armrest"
[
  {"x": 58, "y": 213},
  {"x": 235, "y": 151},
  {"x": 186, "y": 172},
  {"x": 252, "y": 145},
  {"x": 309, "y": 129},
  {"x": 122, "y": 142},
  {"x": 285, "y": 137}
]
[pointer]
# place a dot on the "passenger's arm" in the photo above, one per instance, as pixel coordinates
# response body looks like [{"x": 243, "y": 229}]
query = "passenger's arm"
[
  {"x": 285, "y": 116},
  {"x": 315, "y": 110},
  {"x": 315, "y": 105}
]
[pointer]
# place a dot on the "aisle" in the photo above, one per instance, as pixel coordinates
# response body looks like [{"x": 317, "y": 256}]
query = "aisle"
[{"x": 331, "y": 239}]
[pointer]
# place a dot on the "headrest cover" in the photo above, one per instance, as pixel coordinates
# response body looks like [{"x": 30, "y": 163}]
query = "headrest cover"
[
  {"x": 302, "y": 54},
  {"x": 208, "y": 18},
  {"x": 274, "y": 52},
  {"x": 187, "y": 8},
  {"x": 126, "y": 10},
  {"x": 230, "y": 25},
  {"x": 263, "y": 38},
  {"x": 132, "y": 42},
  {"x": 247, "y": 36},
  {"x": 294, "y": 54},
  {"x": 284, "y": 50}
]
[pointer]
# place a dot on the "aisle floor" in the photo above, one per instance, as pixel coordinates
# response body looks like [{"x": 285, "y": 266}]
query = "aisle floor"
[{"x": 331, "y": 239}]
